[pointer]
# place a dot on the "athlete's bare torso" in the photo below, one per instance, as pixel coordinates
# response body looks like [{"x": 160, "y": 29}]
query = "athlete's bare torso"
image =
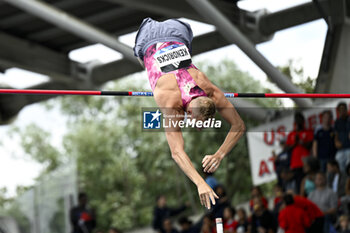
[{"x": 168, "y": 95}]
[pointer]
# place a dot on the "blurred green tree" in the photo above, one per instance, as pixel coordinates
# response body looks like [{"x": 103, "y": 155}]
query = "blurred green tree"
[
  {"x": 4, "y": 199},
  {"x": 122, "y": 168},
  {"x": 296, "y": 74}
]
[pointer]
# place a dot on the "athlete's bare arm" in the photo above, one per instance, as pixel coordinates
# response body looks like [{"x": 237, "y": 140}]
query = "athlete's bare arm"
[
  {"x": 169, "y": 100},
  {"x": 228, "y": 112}
]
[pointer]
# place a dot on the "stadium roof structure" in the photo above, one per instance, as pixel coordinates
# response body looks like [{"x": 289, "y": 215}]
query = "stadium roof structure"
[{"x": 38, "y": 35}]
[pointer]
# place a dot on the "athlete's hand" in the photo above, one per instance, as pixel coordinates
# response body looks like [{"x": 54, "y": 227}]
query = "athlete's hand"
[
  {"x": 210, "y": 163},
  {"x": 206, "y": 194}
]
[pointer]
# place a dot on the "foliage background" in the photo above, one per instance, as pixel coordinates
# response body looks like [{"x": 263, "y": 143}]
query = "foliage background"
[{"x": 122, "y": 169}]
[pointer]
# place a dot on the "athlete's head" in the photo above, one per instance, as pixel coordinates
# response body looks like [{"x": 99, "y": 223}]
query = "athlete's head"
[{"x": 201, "y": 108}]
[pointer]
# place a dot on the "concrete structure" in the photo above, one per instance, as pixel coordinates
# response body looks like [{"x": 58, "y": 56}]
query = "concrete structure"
[{"x": 333, "y": 74}]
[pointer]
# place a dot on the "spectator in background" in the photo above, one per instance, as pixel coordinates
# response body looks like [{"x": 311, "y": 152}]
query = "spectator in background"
[
  {"x": 162, "y": 211},
  {"x": 342, "y": 141},
  {"x": 278, "y": 200},
  {"x": 293, "y": 219},
  {"x": 168, "y": 226},
  {"x": 229, "y": 219},
  {"x": 335, "y": 179},
  {"x": 325, "y": 199},
  {"x": 343, "y": 224},
  {"x": 345, "y": 201},
  {"x": 288, "y": 182},
  {"x": 114, "y": 230},
  {"x": 257, "y": 192},
  {"x": 187, "y": 226},
  {"x": 262, "y": 219},
  {"x": 315, "y": 215},
  {"x": 221, "y": 203},
  {"x": 311, "y": 167},
  {"x": 323, "y": 147},
  {"x": 282, "y": 160},
  {"x": 278, "y": 190},
  {"x": 347, "y": 186},
  {"x": 210, "y": 180},
  {"x": 208, "y": 225},
  {"x": 242, "y": 221},
  {"x": 82, "y": 218},
  {"x": 299, "y": 141}
]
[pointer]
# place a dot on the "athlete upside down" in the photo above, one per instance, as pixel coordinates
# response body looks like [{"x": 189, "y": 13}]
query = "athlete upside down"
[{"x": 179, "y": 87}]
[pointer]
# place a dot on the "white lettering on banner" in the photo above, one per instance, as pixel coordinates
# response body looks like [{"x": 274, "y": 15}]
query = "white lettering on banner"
[{"x": 264, "y": 139}]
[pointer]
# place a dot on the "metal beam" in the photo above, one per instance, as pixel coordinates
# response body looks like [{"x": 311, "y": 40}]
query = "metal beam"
[
  {"x": 179, "y": 9},
  {"x": 18, "y": 19},
  {"x": 16, "y": 52},
  {"x": 121, "y": 68},
  {"x": 103, "y": 17},
  {"x": 12, "y": 104},
  {"x": 291, "y": 17},
  {"x": 328, "y": 60},
  {"x": 111, "y": 71},
  {"x": 329, "y": 67},
  {"x": 124, "y": 26},
  {"x": 337, "y": 12},
  {"x": 174, "y": 9},
  {"x": 252, "y": 110},
  {"x": 73, "y": 25},
  {"x": 76, "y": 44},
  {"x": 232, "y": 34},
  {"x": 304, "y": 13},
  {"x": 268, "y": 24}
]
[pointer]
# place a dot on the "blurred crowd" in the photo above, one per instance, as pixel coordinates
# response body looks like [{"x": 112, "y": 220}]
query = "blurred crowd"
[
  {"x": 234, "y": 221},
  {"x": 83, "y": 218},
  {"x": 312, "y": 193},
  {"x": 286, "y": 212},
  {"x": 314, "y": 163}
]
